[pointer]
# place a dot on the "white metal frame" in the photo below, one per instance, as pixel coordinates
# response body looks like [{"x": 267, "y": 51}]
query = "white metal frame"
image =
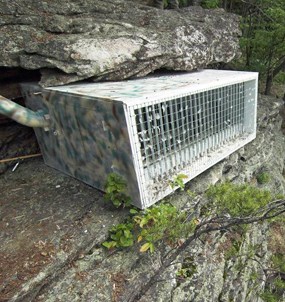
[
  {"x": 135, "y": 95},
  {"x": 154, "y": 188}
]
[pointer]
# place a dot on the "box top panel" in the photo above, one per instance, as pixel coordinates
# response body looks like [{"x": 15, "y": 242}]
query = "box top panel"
[{"x": 151, "y": 88}]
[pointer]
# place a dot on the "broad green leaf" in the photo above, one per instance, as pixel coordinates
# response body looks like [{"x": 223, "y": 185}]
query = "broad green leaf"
[
  {"x": 145, "y": 247},
  {"x": 133, "y": 211}
]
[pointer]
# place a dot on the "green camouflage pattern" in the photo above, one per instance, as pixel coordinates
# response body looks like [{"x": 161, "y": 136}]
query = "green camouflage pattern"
[
  {"x": 88, "y": 137},
  {"x": 23, "y": 115}
]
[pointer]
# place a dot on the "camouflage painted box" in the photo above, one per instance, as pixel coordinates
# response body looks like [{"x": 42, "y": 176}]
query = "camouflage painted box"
[{"x": 147, "y": 130}]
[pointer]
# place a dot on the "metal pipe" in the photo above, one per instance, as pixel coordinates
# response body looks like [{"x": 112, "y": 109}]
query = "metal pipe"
[{"x": 23, "y": 115}]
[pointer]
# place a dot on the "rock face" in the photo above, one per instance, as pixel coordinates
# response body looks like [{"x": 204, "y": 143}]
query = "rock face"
[
  {"x": 111, "y": 40},
  {"x": 53, "y": 227}
]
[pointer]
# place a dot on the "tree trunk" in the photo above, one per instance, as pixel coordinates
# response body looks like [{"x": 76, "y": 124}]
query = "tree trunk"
[{"x": 268, "y": 85}]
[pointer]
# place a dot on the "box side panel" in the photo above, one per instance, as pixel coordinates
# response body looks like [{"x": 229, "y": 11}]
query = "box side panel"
[
  {"x": 48, "y": 140},
  {"x": 88, "y": 138}
]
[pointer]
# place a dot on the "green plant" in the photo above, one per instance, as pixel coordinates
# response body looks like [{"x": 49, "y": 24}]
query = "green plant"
[
  {"x": 280, "y": 78},
  {"x": 163, "y": 221},
  {"x": 121, "y": 236},
  {"x": 182, "y": 273},
  {"x": 188, "y": 269},
  {"x": 159, "y": 222},
  {"x": 116, "y": 191},
  {"x": 263, "y": 178},
  {"x": 234, "y": 248},
  {"x": 178, "y": 181},
  {"x": 254, "y": 276},
  {"x": 186, "y": 272},
  {"x": 278, "y": 262},
  {"x": 268, "y": 296},
  {"x": 274, "y": 292},
  {"x": 237, "y": 200},
  {"x": 191, "y": 194},
  {"x": 275, "y": 287},
  {"x": 210, "y": 3}
]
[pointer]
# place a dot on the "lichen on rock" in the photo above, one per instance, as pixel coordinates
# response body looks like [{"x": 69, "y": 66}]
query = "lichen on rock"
[{"x": 112, "y": 40}]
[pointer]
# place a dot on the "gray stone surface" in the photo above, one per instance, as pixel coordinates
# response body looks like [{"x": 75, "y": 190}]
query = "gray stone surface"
[
  {"x": 47, "y": 220},
  {"x": 52, "y": 227},
  {"x": 111, "y": 40}
]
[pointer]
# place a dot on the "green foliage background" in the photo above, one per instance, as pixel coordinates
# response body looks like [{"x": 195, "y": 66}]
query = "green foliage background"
[{"x": 263, "y": 37}]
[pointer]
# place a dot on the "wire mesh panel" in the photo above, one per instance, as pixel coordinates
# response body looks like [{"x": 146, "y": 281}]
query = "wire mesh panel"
[
  {"x": 187, "y": 127},
  {"x": 191, "y": 132}
]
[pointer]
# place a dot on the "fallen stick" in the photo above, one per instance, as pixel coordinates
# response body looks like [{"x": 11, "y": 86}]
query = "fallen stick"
[{"x": 20, "y": 157}]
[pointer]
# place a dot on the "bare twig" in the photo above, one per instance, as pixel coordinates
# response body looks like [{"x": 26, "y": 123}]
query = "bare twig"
[{"x": 19, "y": 157}]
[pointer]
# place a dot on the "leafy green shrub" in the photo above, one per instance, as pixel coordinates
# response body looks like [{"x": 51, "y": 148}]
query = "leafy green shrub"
[
  {"x": 263, "y": 178},
  {"x": 121, "y": 236},
  {"x": 116, "y": 189},
  {"x": 163, "y": 221},
  {"x": 210, "y": 3},
  {"x": 237, "y": 200}
]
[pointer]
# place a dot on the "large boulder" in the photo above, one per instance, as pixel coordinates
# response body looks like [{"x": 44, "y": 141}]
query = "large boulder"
[{"x": 111, "y": 40}]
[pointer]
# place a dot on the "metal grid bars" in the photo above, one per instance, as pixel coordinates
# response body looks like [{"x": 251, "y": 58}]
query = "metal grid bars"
[{"x": 175, "y": 133}]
